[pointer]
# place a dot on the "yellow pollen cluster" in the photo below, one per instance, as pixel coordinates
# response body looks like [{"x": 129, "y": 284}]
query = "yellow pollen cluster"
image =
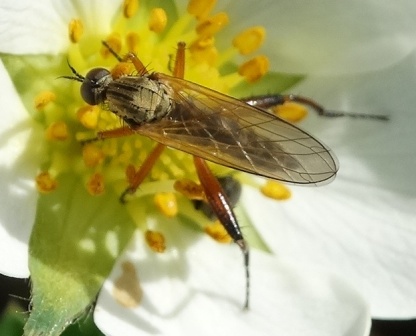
[
  {"x": 189, "y": 189},
  {"x": 92, "y": 155},
  {"x": 57, "y": 131},
  {"x": 275, "y": 190},
  {"x": 167, "y": 204},
  {"x": 290, "y": 111},
  {"x": 200, "y": 9},
  {"x": 43, "y": 99},
  {"x": 254, "y": 69},
  {"x": 88, "y": 116},
  {"x": 249, "y": 40},
  {"x": 217, "y": 232},
  {"x": 75, "y": 30},
  {"x": 130, "y": 8},
  {"x": 95, "y": 184},
  {"x": 155, "y": 240},
  {"x": 158, "y": 20},
  {"x": 45, "y": 183}
]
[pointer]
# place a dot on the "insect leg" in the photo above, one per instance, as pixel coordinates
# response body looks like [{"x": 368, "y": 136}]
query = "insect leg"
[
  {"x": 220, "y": 204},
  {"x": 269, "y": 101},
  {"x": 138, "y": 64},
  {"x": 138, "y": 176},
  {"x": 179, "y": 68}
]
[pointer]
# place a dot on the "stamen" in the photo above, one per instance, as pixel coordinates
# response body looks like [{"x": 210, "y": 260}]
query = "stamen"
[
  {"x": 290, "y": 111},
  {"x": 254, "y": 69},
  {"x": 75, "y": 30},
  {"x": 203, "y": 50},
  {"x": 200, "y": 8},
  {"x": 132, "y": 41},
  {"x": 127, "y": 291},
  {"x": 45, "y": 183},
  {"x": 167, "y": 204},
  {"x": 95, "y": 185},
  {"x": 189, "y": 189},
  {"x": 217, "y": 232},
  {"x": 122, "y": 69},
  {"x": 43, "y": 99},
  {"x": 212, "y": 25},
  {"x": 114, "y": 42},
  {"x": 155, "y": 240},
  {"x": 130, "y": 8},
  {"x": 92, "y": 155},
  {"x": 88, "y": 116},
  {"x": 249, "y": 40},
  {"x": 158, "y": 20},
  {"x": 276, "y": 190},
  {"x": 57, "y": 131}
]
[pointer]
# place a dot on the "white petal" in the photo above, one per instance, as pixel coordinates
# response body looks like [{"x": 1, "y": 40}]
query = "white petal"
[
  {"x": 201, "y": 292},
  {"x": 361, "y": 226},
  {"x": 18, "y": 196},
  {"x": 33, "y": 27},
  {"x": 329, "y": 36}
]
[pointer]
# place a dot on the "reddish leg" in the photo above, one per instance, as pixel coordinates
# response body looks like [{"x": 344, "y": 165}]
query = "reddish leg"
[
  {"x": 214, "y": 192},
  {"x": 269, "y": 101},
  {"x": 138, "y": 176},
  {"x": 220, "y": 204}
]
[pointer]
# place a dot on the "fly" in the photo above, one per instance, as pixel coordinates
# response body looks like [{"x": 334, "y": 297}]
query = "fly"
[{"x": 209, "y": 125}]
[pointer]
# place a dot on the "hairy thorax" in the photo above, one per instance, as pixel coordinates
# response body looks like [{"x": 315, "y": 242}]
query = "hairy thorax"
[{"x": 138, "y": 99}]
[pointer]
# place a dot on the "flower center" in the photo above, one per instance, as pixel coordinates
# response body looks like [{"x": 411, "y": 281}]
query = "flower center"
[{"x": 152, "y": 34}]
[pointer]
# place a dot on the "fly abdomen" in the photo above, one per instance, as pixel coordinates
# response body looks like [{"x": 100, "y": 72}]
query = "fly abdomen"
[{"x": 138, "y": 99}]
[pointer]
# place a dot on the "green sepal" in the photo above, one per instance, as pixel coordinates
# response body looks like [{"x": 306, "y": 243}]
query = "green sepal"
[{"x": 74, "y": 244}]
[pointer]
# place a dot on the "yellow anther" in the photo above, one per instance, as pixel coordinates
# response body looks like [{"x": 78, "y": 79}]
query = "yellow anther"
[
  {"x": 208, "y": 55},
  {"x": 92, "y": 155},
  {"x": 88, "y": 116},
  {"x": 75, "y": 30},
  {"x": 132, "y": 41},
  {"x": 158, "y": 20},
  {"x": 130, "y": 8},
  {"x": 254, "y": 69},
  {"x": 57, "y": 131},
  {"x": 167, "y": 203},
  {"x": 249, "y": 40},
  {"x": 45, "y": 183},
  {"x": 290, "y": 111},
  {"x": 127, "y": 291},
  {"x": 189, "y": 189},
  {"x": 155, "y": 240},
  {"x": 202, "y": 43},
  {"x": 114, "y": 41},
  {"x": 200, "y": 8},
  {"x": 217, "y": 232},
  {"x": 275, "y": 190},
  {"x": 43, "y": 99},
  {"x": 95, "y": 184},
  {"x": 212, "y": 25},
  {"x": 204, "y": 50},
  {"x": 122, "y": 69}
]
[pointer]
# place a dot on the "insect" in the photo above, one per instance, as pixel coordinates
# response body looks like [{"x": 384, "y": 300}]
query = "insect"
[{"x": 209, "y": 125}]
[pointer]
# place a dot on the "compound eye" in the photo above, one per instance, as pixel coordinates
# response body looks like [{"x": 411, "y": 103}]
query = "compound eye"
[{"x": 93, "y": 85}]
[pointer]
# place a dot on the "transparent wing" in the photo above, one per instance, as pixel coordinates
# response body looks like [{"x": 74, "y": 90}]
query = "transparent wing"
[{"x": 231, "y": 133}]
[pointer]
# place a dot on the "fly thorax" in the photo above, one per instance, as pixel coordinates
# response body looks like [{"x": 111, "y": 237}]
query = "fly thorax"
[{"x": 138, "y": 99}]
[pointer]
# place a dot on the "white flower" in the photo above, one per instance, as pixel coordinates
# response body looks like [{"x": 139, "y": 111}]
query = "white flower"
[
  {"x": 361, "y": 226},
  {"x": 192, "y": 287}
]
